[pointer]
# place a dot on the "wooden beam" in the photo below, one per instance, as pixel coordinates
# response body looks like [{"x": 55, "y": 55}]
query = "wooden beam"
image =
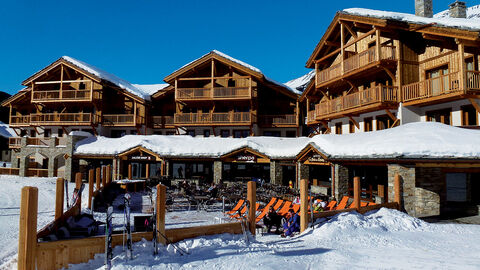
[
  {"x": 59, "y": 193},
  {"x": 475, "y": 105},
  {"x": 303, "y": 205},
  {"x": 378, "y": 45},
  {"x": 98, "y": 178},
  {"x": 390, "y": 74},
  {"x": 354, "y": 122},
  {"x": 91, "y": 179},
  {"x": 349, "y": 29},
  {"x": 62, "y": 81},
  {"x": 214, "y": 77},
  {"x": 342, "y": 48},
  {"x": 160, "y": 208},
  {"x": 391, "y": 115},
  {"x": 462, "y": 67},
  {"x": 27, "y": 235},
  {"x": 252, "y": 200},
  {"x": 332, "y": 44},
  {"x": 356, "y": 191}
]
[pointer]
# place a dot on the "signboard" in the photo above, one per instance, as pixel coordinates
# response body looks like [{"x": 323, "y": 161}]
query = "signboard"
[
  {"x": 246, "y": 158},
  {"x": 316, "y": 158},
  {"x": 142, "y": 158}
]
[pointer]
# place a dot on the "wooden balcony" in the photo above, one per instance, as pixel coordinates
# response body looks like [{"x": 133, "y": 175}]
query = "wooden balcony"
[
  {"x": 10, "y": 171},
  {"x": 122, "y": 120},
  {"x": 37, "y": 172},
  {"x": 61, "y": 96},
  {"x": 19, "y": 120},
  {"x": 163, "y": 121},
  {"x": 441, "y": 88},
  {"x": 310, "y": 117},
  {"x": 360, "y": 102},
  {"x": 217, "y": 93},
  {"x": 14, "y": 142},
  {"x": 286, "y": 120},
  {"x": 68, "y": 119},
  {"x": 358, "y": 62},
  {"x": 221, "y": 119}
]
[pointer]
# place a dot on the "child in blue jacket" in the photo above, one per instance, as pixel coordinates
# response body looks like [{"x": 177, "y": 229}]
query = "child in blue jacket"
[{"x": 292, "y": 225}]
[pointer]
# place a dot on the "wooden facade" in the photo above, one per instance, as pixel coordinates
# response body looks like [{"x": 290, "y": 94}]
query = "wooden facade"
[
  {"x": 367, "y": 65},
  {"x": 215, "y": 93}
]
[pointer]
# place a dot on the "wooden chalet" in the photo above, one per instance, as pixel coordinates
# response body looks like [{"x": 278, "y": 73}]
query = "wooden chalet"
[
  {"x": 376, "y": 70},
  {"x": 219, "y": 95}
]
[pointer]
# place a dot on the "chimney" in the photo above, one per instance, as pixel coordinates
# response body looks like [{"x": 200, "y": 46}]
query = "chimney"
[
  {"x": 424, "y": 8},
  {"x": 458, "y": 10}
]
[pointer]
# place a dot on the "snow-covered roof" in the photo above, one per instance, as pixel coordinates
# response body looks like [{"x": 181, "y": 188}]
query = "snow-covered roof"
[
  {"x": 123, "y": 84},
  {"x": 151, "y": 88},
  {"x": 415, "y": 140},
  {"x": 473, "y": 12},
  {"x": 5, "y": 131},
  {"x": 299, "y": 84},
  {"x": 187, "y": 146},
  {"x": 466, "y": 24}
]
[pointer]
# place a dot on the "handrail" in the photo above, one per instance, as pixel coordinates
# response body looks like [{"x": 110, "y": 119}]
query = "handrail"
[
  {"x": 368, "y": 96},
  {"x": 440, "y": 85},
  {"x": 45, "y": 95},
  {"x": 15, "y": 142},
  {"x": 38, "y": 118},
  {"x": 212, "y": 118},
  {"x": 213, "y": 93},
  {"x": 162, "y": 120},
  {"x": 285, "y": 119}
]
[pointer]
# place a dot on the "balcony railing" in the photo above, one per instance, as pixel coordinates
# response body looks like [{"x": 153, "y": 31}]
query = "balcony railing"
[
  {"x": 473, "y": 80},
  {"x": 213, "y": 93},
  {"x": 63, "y": 118},
  {"x": 279, "y": 120},
  {"x": 162, "y": 121},
  {"x": 438, "y": 86},
  {"x": 37, "y": 172},
  {"x": 10, "y": 171},
  {"x": 19, "y": 120},
  {"x": 43, "y": 142},
  {"x": 213, "y": 118},
  {"x": 311, "y": 116},
  {"x": 369, "y": 96},
  {"x": 362, "y": 59},
  {"x": 64, "y": 95},
  {"x": 14, "y": 142}
]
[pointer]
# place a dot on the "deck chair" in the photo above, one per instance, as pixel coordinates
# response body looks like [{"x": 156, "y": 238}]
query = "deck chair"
[
  {"x": 285, "y": 208},
  {"x": 362, "y": 204},
  {"x": 343, "y": 203},
  {"x": 296, "y": 208},
  {"x": 243, "y": 211},
  {"x": 331, "y": 205},
  {"x": 371, "y": 203},
  {"x": 235, "y": 209},
  {"x": 270, "y": 203},
  {"x": 278, "y": 204}
]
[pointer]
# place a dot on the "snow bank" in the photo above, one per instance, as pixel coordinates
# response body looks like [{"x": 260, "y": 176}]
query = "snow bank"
[
  {"x": 466, "y": 24},
  {"x": 151, "y": 88},
  {"x": 109, "y": 77},
  {"x": 6, "y": 131}
]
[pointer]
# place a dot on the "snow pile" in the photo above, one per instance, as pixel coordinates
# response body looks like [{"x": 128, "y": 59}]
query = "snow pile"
[
  {"x": 413, "y": 140},
  {"x": 299, "y": 84},
  {"x": 466, "y": 24},
  {"x": 6, "y": 131},
  {"x": 473, "y": 12},
  {"x": 80, "y": 133},
  {"x": 109, "y": 77},
  {"x": 151, "y": 88}
]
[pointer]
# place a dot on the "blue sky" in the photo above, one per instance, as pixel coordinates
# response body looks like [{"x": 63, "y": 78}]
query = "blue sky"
[{"x": 142, "y": 41}]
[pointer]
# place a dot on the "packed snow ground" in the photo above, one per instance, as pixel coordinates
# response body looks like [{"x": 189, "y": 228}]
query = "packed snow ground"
[{"x": 384, "y": 239}]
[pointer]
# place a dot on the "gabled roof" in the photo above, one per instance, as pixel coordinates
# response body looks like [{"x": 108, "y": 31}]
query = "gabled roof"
[
  {"x": 95, "y": 73},
  {"x": 18, "y": 95},
  {"x": 448, "y": 27},
  {"x": 240, "y": 65}
]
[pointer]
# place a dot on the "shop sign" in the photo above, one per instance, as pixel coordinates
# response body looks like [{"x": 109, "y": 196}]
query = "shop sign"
[
  {"x": 316, "y": 158},
  {"x": 246, "y": 158},
  {"x": 146, "y": 158}
]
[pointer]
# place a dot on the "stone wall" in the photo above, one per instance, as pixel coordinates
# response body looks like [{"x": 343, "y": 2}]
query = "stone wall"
[
  {"x": 217, "y": 171},
  {"x": 276, "y": 173},
  {"x": 407, "y": 186},
  {"x": 341, "y": 181},
  {"x": 429, "y": 191},
  {"x": 303, "y": 171}
]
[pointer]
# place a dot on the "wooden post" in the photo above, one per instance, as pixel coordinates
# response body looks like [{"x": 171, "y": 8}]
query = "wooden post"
[
  {"x": 147, "y": 170},
  {"x": 78, "y": 184},
  {"x": 397, "y": 191},
  {"x": 303, "y": 205},
  {"x": 161, "y": 200},
  {"x": 315, "y": 182},
  {"x": 381, "y": 191},
  {"x": 252, "y": 200},
  {"x": 130, "y": 171},
  {"x": 104, "y": 176},
  {"x": 109, "y": 174},
  {"x": 59, "y": 193},
  {"x": 356, "y": 191},
  {"x": 27, "y": 235},
  {"x": 91, "y": 175},
  {"x": 98, "y": 175}
]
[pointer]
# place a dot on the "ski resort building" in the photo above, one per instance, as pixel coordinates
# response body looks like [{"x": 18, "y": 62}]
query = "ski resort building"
[{"x": 375, "y": 70}]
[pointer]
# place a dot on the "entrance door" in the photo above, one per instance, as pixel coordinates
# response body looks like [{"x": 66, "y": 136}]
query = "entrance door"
[
  {"x": 137, "y": 169},
  {"x": 456, "y": 187}
]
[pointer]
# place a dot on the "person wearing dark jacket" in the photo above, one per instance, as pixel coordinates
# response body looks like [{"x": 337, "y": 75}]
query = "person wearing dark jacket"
[
  {"x": 272, "y": 219},
  {"x": 292, "y": 225}
]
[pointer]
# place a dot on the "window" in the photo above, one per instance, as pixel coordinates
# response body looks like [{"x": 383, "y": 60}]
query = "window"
[
  {"x": 23, "y": 132},
  {"x": 191, "y": 132},
  {"x": 60, "y": 132},
  {"x": 384, "y": 122},
  {"x": 241, "y": 133},
  {"x": 81, "y": 86},
  {"x": 225, "y": 133},
  {"x": 291, "y": 133},
  {"x": 32, "y": 133},
  {"x": 456, "y": 187},
  {"x": 338, "y": 128},
  {"x": 206, "y": 133},
  {"x": 231, "y": 83},
  {"x": 47, "y": 133},
  {"x": 272, "y": 133},
  {"x": 351, "y": 127},
  {"x": 469, "y": 116},
  {"x": 438, "y": 82},
  {"x": 442, "y": 116},
  {"x": 367, "y": 124}
]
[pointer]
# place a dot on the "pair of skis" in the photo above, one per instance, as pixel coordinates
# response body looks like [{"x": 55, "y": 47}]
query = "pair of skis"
[{"x": 109, "y": 229}]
